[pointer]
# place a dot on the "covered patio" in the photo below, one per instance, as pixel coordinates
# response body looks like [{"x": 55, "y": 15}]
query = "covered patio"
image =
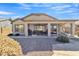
[
  {"x": 47, "y": 29},
  {"x": 50, "y": 29},
  {"x": 43, "y": 25}
]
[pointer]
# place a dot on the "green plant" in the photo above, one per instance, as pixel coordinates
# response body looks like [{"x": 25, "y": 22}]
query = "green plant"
[
  {"x": 62, "y": 38},
  {"x": 9, "y": 47}
]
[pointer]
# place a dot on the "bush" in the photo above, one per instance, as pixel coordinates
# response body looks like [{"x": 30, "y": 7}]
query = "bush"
[
  {"x": 63, "y": 39},
  {"x": 9, "y": 47}
]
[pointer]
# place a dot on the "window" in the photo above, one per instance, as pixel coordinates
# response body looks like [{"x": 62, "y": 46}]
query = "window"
[{"x": 19, "y": 28}]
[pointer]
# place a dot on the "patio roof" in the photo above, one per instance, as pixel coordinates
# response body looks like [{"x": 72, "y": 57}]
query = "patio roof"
[
  {"x": 38, "y": 17},
  {"x": 42, "y": 17}
]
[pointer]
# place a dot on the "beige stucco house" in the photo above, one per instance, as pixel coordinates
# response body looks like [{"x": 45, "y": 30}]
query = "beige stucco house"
[{"x": 39, "y": 24}]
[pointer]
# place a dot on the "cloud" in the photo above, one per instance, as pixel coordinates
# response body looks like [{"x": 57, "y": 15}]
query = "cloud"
[
  {"x": 14, "y": 17},
  {"x": 76, "y": 5},
  {"x": 65, "y": 9},
  {"x": 24, "y": 6},
  {"x": 68, "y": 11},
  {"x": 5, "y": 13},
  {"x": 42, "y": 5},
  {"x": 75, "y": 13},
  {"x": 62, "y": 7},
  {"x": 30, "y": 5}
]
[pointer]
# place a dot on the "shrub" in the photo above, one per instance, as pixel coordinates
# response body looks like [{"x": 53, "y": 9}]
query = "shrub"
[
  {"x": 63, "y": 39},
  {"x": 9, "y": 47}
]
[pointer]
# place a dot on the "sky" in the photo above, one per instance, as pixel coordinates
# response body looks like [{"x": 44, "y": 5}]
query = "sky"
[{"x": 57, "y": 10}]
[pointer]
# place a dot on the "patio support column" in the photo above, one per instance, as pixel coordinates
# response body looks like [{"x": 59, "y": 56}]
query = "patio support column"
[
  {"x": 26, "y": 30},
  {"x": 61, "y": 29},
  {"x": 57, "y": 29},
  {"x": 72, "y": 29},
  {"x": 49, "y": 29},
  {"x": 13, "y": 28}
]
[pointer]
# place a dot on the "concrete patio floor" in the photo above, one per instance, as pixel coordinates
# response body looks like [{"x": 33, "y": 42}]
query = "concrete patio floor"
[
  {"x": 67, "y": 49},
  {"x": 47, "y": 47}
]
